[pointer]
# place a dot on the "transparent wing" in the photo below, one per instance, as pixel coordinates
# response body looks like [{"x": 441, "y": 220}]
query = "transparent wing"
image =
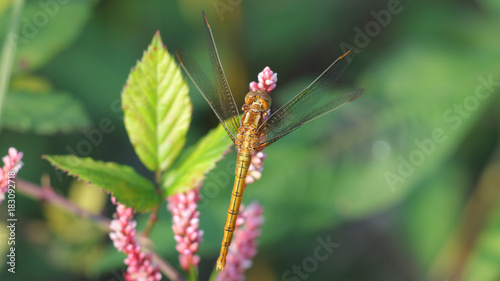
[
  {"x": 218, "y": 94},
  {"x": 314, "y": 101}
]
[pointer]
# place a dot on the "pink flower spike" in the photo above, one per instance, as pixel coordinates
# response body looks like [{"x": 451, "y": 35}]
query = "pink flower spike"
[
  {"x": 12, "y": 165},
  {"x": 267, "y": 81},
  {"x": 244, "y": 246},
  {"x": 185, "y": 225},
  {"x": 256, "y": 167},
  {"x": 139, "y": 265}
]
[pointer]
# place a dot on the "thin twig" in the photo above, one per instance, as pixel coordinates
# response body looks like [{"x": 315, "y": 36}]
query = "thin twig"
[{"x": 47, "y": 194}]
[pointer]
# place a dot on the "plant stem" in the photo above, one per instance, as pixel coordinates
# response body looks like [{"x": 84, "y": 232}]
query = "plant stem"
[
  {"x": 46, "y": 194},
  {"x": 153, "y": 217},
  {"x": 9, "y": 49},
  {"x": 158, "y": 179}
]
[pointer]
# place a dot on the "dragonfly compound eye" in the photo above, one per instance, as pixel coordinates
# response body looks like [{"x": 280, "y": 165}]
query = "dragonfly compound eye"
[
  {"x": 250, "y": 97},
  {"x": 266, "y": 100}
]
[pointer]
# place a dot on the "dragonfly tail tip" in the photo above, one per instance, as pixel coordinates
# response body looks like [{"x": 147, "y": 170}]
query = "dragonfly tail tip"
[{"x": 220, "y": 264}]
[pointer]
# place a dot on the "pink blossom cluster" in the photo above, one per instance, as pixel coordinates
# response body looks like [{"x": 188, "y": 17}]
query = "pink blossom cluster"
[
  {"x": 267, "y": 81},
  {"x": 244, "y": 245},
  {"x": 186, "y": 223},
  {"x": 256, "y": 167},
  {"x": 11, "y": 164},
  {"x": 139, "y": 265}
]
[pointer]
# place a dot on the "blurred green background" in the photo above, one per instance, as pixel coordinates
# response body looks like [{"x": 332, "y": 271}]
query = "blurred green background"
[{"x": 406, "y": 179}]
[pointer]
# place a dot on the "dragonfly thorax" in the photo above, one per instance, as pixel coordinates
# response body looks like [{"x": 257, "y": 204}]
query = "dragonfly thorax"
[{"x": 257, "y": 101}]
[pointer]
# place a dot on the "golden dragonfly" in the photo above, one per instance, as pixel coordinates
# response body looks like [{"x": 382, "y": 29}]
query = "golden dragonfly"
[{"x": 254, "y": 131}]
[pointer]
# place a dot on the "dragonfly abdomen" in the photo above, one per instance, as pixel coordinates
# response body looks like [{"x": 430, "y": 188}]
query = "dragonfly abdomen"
[
  {"x": 246, "y": 140},
  {"x": 242, "y": 165}
]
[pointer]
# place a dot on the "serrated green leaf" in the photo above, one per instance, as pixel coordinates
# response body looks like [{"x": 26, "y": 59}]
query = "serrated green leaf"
[
  {"x": 157, "y": 108},
  {"x": 45, "y": 113},
  {"x": 122, "y": 181},
  {"x": 199, "y": 161}
]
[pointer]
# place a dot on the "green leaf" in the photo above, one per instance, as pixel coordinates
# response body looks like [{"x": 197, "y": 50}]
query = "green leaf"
[
  {"x": 43, "y": 113},
  {"x": 122, "y": 181},
  {"x": 47, "y": 28},
  {"x": 157, "y": 108},
  {"x": 9, "y": 49},
  {"x": 199, "y": 161}
]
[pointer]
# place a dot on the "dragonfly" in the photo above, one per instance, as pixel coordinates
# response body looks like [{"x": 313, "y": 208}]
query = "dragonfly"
[{"x": 255, "y": 129}]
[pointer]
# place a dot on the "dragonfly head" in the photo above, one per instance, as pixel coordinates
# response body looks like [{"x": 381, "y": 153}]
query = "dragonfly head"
[{"x": 257, "y": 100}]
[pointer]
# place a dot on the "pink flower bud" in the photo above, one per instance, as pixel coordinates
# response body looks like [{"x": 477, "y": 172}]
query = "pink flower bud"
[
  {"x": 244, "y": 245},
  {"x": 185, "y": 224},
  {"x": 267, "y": 81},
  {"x": 12, "y": 163},
  {"x": 139, "y": 265}
]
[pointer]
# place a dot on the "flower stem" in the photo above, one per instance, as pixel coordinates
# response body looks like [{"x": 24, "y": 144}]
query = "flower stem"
[
  {"x": 47, "y": 194},
  {"x": 153, "y": 217}
]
